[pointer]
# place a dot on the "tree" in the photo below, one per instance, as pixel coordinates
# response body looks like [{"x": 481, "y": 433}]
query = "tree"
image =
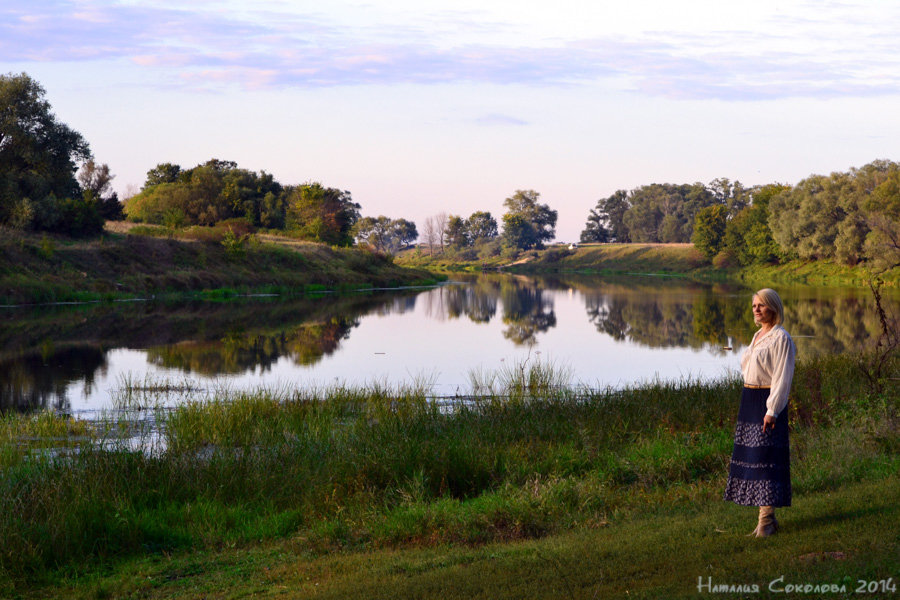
[
  {"x": 748, "y": 235},
  {"x": 709, "y": 229},
  {"x": 373, "y": 231},
  {"x": 162, "y": 173},
  {"x": 825, "y": 217},
  {"x": 595, "y": 229},
  {"x": 96, "y": 186},
  {"x": 385, "y": 234},
  {"x": 612, "y": 211},
  {"x": 883, "y": 217},
  {"x": 202, "y": 197},
  {"x": 482, "y": 226},
  {"x": 272, "y": 209},
  {"x": 440, "y": 225},
  {"x": 38, "y": 154},
  {"x": 664, "y": 212},
  {"x": 526, "y": 223},
  {"x": 79, "y": 217},
  {"x": 95, "y": 178},
  {"x": 206, "y": 194},
  {"x": 322, "y": 214},
  {"x": 430, "y": 235},
  {"x": 403, "y": 233},
  {"x": 457, "y": 232},
  {"x": 732, "y": 195},
  {"x": 644, "y": 215},
  {"x": 435, "y": 231}
]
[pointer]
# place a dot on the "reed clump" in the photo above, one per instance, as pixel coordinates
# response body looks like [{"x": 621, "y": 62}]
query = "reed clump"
[{"x": 378, "y": 466}]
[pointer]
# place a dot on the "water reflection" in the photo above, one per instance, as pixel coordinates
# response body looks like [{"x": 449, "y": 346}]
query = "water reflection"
[
  {"x": 238, "y": 351},
  {"x": 477, "y": 300},
  {"x": 527, "y": 307},
  {"x": 670, "y": 314},
  {"x": 39, "y": 380},
  {"x": 44, "y": 352}
]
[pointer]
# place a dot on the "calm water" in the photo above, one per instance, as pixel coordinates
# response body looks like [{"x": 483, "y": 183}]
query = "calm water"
[{"x": 606, "y": 332}]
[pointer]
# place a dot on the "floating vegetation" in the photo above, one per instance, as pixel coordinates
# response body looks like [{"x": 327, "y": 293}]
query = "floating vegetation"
[{"x": 151, "y": 391}]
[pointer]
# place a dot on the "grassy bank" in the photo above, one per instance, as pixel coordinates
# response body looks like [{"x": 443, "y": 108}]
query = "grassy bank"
[
  {"x": 662, "y": 259},
  {"x": 41, "y": 268},
  {"x": 815, "y": 273},
  {"x": 536, "y": 486},
  {"x": 594, "y": 258}
]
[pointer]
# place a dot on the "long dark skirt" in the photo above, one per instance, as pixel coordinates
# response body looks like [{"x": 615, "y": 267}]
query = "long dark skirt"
[{"x": 760, "y": 473}]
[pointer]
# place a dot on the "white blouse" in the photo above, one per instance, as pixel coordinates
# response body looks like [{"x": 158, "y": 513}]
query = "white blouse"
[{"x": 769, "y": 361}]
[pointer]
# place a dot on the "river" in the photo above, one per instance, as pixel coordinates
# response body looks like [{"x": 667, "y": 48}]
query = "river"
[{"x": 599, "y": 332}]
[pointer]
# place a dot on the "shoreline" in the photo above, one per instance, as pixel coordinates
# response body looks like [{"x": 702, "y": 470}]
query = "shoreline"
[
  {"x": 672, "y": 260},
  {"x": 41, "y": 269}
]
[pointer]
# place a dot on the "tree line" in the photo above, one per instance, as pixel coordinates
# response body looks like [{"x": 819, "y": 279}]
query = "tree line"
[
  {"x": 218, "y": 191},
  {"x": 42, "y": 188},
  {"x": 527, "y": 224},
  {"x": 49, "y": 181},
  {"x": 851, "y": 217},
  {"x": 660, "y": 212}
]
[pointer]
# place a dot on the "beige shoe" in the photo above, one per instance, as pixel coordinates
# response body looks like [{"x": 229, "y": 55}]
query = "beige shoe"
[{"x": 767, "y": 524}]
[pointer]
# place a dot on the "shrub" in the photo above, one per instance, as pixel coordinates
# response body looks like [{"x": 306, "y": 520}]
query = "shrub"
[
  {"x": 488, "y": 248},
  {"x": 234, "y": 244},
  {"x": 726, "y": 259},
  {"x": 79, "y": 217},
  {"x": 240, "y": 226}
]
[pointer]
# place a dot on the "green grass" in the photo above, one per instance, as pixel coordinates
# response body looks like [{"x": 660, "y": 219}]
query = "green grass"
[
  {"x": 622, "y": 258},
  {"x": 816, "y": 273},
  {"x": 826, "y": 539},
  {"x": 594, "y": 258},
  {"x": 381, "y": 492},
  {"x": 661, "y": 259}
]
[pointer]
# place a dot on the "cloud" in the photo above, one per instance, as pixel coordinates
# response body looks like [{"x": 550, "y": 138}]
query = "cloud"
[{"x": 208, "y": 47}]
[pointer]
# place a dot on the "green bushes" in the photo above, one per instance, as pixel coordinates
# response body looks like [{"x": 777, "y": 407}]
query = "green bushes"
[{"x": 218, "y": 193}]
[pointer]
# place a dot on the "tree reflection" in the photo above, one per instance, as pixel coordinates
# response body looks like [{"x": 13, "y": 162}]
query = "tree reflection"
[
  {"x": 844, "y": 324},
  {"x": 527, "y": 310},
  {"x": 691, "y": 316},
  {"x": 476, "y": 299},
  {"x": 309, "y": 343},
  {"x": 196, "y": 337},
  {"x": 238, "y": 352},
  {"x": 38, "y": 380},
  {"x": 658, "y": 320}
]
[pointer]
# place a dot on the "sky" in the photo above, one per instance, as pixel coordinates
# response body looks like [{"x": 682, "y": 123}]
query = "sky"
[{"x": 419, "y": 107}]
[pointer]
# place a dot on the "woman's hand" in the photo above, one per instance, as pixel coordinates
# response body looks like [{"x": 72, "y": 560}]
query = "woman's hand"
[{"x": 768, "y": 421}]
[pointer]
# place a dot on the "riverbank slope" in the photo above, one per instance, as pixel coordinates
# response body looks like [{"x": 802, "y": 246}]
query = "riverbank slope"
[
  {"x": 661, "y": 259},
  {"x": 42, "y": 268}
]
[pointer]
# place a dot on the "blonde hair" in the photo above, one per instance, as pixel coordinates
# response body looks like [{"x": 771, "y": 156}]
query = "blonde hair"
[{"x": 770, "y": 299}]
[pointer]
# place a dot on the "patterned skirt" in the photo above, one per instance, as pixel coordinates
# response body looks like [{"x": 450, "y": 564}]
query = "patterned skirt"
[{"x": 760, "y": 473}]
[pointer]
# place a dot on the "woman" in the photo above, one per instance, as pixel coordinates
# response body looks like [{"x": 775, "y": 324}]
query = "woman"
[{"x": 760, "y": 473}]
